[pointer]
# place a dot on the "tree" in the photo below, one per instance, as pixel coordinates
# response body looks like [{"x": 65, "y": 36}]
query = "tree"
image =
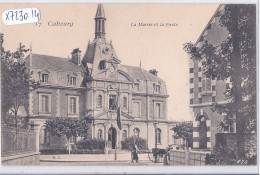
[
  {"x": 16, "y": 83},
  {"x": 184, "y": 130},
  {"x": 234, "y": 58},
  {"x": 67, "y": 126}
]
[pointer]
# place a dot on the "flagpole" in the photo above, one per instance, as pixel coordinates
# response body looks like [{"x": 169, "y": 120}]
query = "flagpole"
[{"x": 118, "y": 113}]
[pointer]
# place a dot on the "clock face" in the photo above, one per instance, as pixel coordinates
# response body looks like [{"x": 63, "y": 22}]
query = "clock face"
[
  {"x": 112, "y": 69},
  {"x": 106, "y": 50}
]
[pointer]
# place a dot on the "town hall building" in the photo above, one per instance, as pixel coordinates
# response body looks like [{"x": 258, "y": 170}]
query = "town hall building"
[{"x": 95, "y": 84}]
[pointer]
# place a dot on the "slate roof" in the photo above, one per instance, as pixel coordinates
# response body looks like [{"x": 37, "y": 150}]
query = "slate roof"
[
  {"x": 137, "y": 73},
  {"x": 51, "y": 62},
  {"x": 100, "y": 11}
]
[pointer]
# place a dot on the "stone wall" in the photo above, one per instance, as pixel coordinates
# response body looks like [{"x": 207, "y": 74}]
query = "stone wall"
[
  {"x": 187, "y": 157},
  {"x": 22, "y": 159}
]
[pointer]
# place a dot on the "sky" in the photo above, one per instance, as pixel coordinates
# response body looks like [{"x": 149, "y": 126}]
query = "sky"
[{"x": 156, "y": 47}]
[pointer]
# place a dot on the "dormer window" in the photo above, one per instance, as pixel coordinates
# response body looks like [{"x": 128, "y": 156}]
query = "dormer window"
[
  {"x": 72, "y": 81},
  {"x": 158, "y": 88},
  {"x": 102, "y": 64},
  {"x": 136, "y": 86},
  {"x": 45, "y": 78}
]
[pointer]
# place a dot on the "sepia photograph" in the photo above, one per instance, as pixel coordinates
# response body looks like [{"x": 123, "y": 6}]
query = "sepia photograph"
[{"x": 103, "y": 84}]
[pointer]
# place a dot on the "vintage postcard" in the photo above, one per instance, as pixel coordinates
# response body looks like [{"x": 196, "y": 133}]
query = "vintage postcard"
[{"x": 155, "y": 85}]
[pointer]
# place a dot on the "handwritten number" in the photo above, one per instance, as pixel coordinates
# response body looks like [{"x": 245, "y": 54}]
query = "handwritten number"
[{"x": 21, "y": 15}]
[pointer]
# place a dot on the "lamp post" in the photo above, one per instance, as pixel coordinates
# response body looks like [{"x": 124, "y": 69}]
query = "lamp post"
[{"x": 155, "y": 129}]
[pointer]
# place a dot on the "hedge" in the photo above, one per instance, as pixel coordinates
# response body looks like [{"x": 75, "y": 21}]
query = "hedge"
[
  {"x": 91, "y": 144},
  {"x": 51, "y": 151},
  {"x": 65, "y": 151},
  {"x": 128, "y": 143}
]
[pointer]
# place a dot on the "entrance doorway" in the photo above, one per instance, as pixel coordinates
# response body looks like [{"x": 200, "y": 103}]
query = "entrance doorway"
[
  {"x": 202, "y": 133},
  {"x": 112, "y": 137}
]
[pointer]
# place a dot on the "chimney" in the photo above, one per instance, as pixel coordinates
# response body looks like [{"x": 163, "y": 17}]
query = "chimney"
[
  {"x": 153, "y": 71},
  {"x": 75, "y": 56}
]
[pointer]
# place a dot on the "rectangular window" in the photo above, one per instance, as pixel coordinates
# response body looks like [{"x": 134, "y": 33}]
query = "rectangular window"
[
  {"x": 191, "y": 90},
  {"x": 206, "y": 84},
  {"x": 213, "y": 88},
  {"x": 191, "y": 80},
  {"x": 112, "y": 102},
  {"x": 136, "y": 86},
  {"x": 199, "y": 89},
  {"x": 72, "y": 140},
  {"x": 72, "y": 81},
  {"x": 231, "y": 124},
  {"x": 72, "y": 105},
  {"x": 157, "y": 110},
  {"x": 199, "y": 69},
  {"x": 158, "y": 135},
  {"x": 157, "y": 88},
  {"x": 45, "y": 103},
  {"x": 213, "y": 99},
  {"x": 200, "y": 100},
  {"x": 191, "y": 101},
  {"x": 199, "y": 79},
  {"x": 136, "y": 109},
  {"x": 45, "y": 78},
  {"x": 191, "y": 70},
  {"x": 46, "y": 137}
]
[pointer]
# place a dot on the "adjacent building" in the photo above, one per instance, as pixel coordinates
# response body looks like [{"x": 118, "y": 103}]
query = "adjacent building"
[
  {"x": 95, "y": 84},
  {"x": 206, "y": 91}
]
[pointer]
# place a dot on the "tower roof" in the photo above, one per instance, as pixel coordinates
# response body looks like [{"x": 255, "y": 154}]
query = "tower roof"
[{"x": 100, "y": 11}]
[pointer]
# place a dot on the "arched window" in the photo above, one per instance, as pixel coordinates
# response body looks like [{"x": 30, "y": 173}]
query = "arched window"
[
  {"x": 158, "y": 135},
  {"x": 136, "y": 132},
  {"x": 124, "y": 134},
  {"x": 124, "y": 102},
  {"x": 99, "y": 134},
  {"x": 99, "y": 101}
]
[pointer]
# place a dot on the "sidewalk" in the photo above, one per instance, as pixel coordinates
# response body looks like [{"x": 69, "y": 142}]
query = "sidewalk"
[{"x": 125, "y": 157}]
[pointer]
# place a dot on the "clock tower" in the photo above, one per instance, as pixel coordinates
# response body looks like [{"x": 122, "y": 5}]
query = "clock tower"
[{"x": 100, "y": 54}]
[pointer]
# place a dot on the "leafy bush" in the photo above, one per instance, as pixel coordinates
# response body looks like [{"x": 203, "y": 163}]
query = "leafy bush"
[
  {"x": 128, "y": 143},
  {"x": 227, "y": 156},
  {"x": 184, "y": 130},
  {"x": 91, "y": 144}
]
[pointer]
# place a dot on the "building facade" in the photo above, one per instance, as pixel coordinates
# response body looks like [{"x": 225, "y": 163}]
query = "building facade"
[
  {"x": 204, "y": 92},
  {"x": 95, "y": 85}
]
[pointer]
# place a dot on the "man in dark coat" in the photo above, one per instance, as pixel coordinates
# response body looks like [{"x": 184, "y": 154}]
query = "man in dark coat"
[{"x": 134, "y": 155}]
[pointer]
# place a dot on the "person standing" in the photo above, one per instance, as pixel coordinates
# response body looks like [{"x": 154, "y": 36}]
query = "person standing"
[{"x": 134, "y": 155}]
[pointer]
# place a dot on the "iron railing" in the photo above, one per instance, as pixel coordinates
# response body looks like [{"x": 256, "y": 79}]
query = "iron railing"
[{"x": 14, "y": 143}]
